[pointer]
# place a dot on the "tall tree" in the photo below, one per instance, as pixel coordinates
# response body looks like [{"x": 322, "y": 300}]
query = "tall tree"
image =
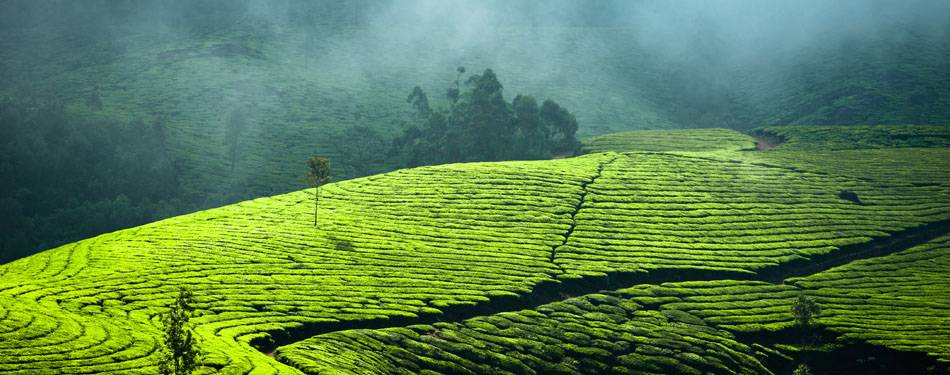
[
  {"x": 455, "y": 90},
  {"x": 486, "y": 116},
  {"x": 180, "y": 354},
  {"x": 420, "y": 102},
  {"x": 530, "y": 139},
  {"x": 318, "y": 173},
  {"x": 561, "y": 125}
]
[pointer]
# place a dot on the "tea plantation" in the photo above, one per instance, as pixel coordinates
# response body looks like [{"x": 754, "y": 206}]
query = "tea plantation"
[{"x": 675, "y": 252}]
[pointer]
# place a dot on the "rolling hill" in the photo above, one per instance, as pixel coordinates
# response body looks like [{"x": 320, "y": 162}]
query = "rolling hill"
[
  {"x": 331, "y": 79},
  {"x": 660, "y": 252}
]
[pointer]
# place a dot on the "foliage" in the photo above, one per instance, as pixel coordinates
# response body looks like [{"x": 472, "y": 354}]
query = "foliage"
[
  {"x": 64, "y": 178},
  {"x": 593, "y": 334},
  {"x": 802, "y": 369},
  {"x": 318, "y": 173},
  {"x": 804, "y": 310},
  {"x": 180, "y": 351},
  {"x": 479, "y": 125}
]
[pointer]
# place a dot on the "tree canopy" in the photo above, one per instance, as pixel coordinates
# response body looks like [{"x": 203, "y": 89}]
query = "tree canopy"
[
  {"x": 180, "y": 352},
  {"x": 479, "y": 125},
  {"x": 318, "y": 173}
]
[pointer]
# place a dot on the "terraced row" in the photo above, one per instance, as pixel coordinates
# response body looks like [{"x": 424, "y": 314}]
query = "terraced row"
[
  {"x": 400, "y": 245},
  {"x": 911, "y": 166},
  {"x": 857, "y": 137},
  {"x": 697, "y": 140},
  {"x": 593, "y": 334},
  {"x": 911, "y": 154},
  {"x": 662, "y": 211},
  {"x": 898, "y": 301},
  {"x": 39, "y": 339}
]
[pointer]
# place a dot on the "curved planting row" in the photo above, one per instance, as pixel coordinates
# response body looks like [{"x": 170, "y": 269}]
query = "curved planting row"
[
  {"x": 593, "y": 334},
  {"x": 712, "y": 139},
  {"x": 912, "y": 166},
  {"x": 661, "y": 211},
  {"x": 837, "y": 137},
  {"x": 395, "y": 246},
  {"x": 898, "y": 301},
  {"x": 36, "y": 339}
]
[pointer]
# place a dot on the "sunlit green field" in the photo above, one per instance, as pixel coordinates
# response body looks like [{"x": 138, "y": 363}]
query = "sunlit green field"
[{"x": 673, "y": 255}]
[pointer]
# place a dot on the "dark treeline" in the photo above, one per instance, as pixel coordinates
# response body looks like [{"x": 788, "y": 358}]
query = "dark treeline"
[
  {"x": 63, "y": 179},
  {"x": 479, "y": 125}
]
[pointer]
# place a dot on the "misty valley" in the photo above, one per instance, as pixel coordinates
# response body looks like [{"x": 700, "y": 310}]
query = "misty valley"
[{"x": 474, "y": 187}]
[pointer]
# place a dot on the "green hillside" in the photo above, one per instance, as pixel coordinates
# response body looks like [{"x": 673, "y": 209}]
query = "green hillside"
[
  {"x": 680, "y": 327},
  {"x": 670, "y": 140},
  {"x": 331, "y": 79},
  {"x": 666, "y": 257}
]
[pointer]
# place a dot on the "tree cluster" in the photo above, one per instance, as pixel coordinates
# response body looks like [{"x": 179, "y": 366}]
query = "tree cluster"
[
  {"x": 479, "y": 125},
  {"x": 63, "y": 178}
]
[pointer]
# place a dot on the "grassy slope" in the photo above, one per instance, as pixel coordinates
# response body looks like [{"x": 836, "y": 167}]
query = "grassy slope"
[
  {"x": 302, "y": 91},
  {"x": 899, "y": 301},
  {"x": 395, "y": 245},
  {"x": 412, "y": 243},
  {"x": 894, "y": 301},
  {"x": 669, "y": 140}
]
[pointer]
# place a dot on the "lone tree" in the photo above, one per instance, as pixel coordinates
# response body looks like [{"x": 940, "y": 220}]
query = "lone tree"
[
  {"x": 180, "y": 355},
  {"x": 804, "y": 309},
  {"x": 318, "y": 173}
]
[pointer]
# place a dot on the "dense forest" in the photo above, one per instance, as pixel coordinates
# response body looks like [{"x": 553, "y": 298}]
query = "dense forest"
[
  {"x": 67, "y": 178},
  {"x": 479, "y": 125}
]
